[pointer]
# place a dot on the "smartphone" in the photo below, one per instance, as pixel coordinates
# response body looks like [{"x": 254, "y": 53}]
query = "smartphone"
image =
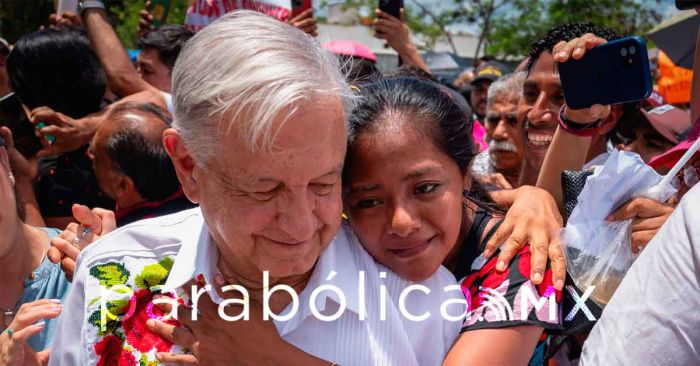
[
  {"x": 13, "y": 117},
  {"x": 392, "y": 7},
  {"x": 161, "y": 8},
  {"x": 612, "y": 73},
  {"x": 687, "y": 4},
  {"x": 300, "y": 6}
]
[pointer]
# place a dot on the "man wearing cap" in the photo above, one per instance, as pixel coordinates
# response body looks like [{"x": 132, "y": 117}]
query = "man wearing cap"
[
  {"x": 484, "y": 75},
  {"x": 654, "y": 130}
]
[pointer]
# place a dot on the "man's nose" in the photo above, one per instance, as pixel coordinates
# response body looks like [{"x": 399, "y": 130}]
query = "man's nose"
[
  {"x": 541, "y": 112},
  {"x": 297, "y": 217}
]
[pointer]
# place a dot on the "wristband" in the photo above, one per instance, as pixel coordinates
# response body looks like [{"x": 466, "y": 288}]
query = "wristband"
[
  {"x": 578, "y": 129},
  {"x": 90, "y": 4}
]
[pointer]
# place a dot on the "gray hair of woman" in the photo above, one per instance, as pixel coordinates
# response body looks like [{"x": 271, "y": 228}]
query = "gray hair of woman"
[
  {"x": 244, "y": 71},
  {"x": 508, "y": 86}
]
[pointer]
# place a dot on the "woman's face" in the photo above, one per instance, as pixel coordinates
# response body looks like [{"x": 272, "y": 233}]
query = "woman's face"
[
  {"x": 404, "y": 200},
  {"x": 8, "y": 208}
]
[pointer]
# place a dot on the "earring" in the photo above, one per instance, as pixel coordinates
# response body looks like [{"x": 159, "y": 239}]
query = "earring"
[
  {"x": 465, "y": 193},
  {"x": 12, "y": 179}
]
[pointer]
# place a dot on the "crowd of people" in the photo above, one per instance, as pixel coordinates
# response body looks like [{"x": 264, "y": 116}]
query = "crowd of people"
[{"x": 241, "y": 194}]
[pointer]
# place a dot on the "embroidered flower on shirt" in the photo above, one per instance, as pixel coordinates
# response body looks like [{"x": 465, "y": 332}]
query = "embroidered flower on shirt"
[{"x": 126, "y": 339}]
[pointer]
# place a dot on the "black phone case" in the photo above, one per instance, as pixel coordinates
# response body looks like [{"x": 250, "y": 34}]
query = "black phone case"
[
  {"x": 392, "y": 7},
  {"x": 603, "y": 76}
]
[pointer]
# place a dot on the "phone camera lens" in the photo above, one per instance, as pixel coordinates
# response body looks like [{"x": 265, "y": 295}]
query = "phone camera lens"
[
  {"x": 633, "y": 50},
  {"x": 623, "y": 52}
]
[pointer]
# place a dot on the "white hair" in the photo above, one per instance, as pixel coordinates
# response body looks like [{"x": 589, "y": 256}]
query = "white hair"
[
  {"x": 245, "y": 70},
  {"x": 506, "y": 85}
]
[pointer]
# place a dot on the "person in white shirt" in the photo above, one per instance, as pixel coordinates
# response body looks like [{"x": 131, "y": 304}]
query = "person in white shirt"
[
  {"x": 259, "y": 143},
  {"x": 652, "y": 319}
]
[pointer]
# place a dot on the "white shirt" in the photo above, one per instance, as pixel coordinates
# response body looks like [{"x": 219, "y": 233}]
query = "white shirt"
[
  {"x": 653, "y": 317},
  {"x": 130, "y": 255}
]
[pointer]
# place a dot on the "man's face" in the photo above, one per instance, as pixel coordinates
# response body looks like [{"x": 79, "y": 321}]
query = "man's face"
[
  {"x": 648, "y": 143},
  {"x": 478, "y": 97},
  {"x": 542, "y": 98},
  {"x": 504, "y": 133},
  {"x": 276, "y": 209},
  {"x": 107, "y": 178},
  {"x": 153, "y": 70}
]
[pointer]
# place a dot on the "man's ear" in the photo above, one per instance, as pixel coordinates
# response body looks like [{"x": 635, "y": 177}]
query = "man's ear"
[{"x": 183, "y": 162}]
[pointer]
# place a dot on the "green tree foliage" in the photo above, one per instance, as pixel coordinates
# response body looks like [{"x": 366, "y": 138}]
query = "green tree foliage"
[
  {"x": 18, "y": 17},
  {"x": 126, "y": 14},
  {"x": 525, "y": 21}
]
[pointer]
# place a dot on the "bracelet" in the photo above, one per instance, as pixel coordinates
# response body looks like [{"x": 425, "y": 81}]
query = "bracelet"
[{"x": 578, "y": 129}]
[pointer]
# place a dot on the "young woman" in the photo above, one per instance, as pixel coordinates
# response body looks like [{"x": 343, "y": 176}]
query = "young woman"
[
  {"x": 30, "y": 298},
  {"x": 404, "y": 181}
]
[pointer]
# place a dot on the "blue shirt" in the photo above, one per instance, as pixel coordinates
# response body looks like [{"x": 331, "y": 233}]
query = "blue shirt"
[{"x": 48, "y": 282}]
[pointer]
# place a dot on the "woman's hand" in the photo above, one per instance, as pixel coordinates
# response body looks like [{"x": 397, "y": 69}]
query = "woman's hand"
[
  {"x": 14, "y": 349},
  {"x": 146, "y": 19},
  {"x": 92, "y": 224},
  {"x": 647, "y": 218},
  {"x": 306, "y": 22},
  {"x": 535, "y": 219},
  {"x": 67, "y": 134},
  {"x": 393, "y": 30}
]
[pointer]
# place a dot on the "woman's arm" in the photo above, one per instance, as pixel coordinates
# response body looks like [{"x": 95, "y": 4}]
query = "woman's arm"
[
  {"x": 504, "y": 346},
  {"x": 566, "y": 152}
]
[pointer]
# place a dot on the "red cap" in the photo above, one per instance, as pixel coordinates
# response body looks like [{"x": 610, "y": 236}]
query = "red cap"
[
  {"x": 350, "y": 48},
  {"x": 671, "y": 157},
  {"x": 669, "y": 121}
]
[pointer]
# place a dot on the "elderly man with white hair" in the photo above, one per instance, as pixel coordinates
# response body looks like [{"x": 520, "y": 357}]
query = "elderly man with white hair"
[
  {"x": 499, "y": 167},
  {"x": 259, "y": 142}
]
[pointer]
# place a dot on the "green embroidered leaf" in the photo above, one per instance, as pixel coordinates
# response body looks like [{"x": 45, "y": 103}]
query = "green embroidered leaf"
[
  {"x": 145, "y": 362},
  {"x": 110, "y": 321},
  {"x": 154, "y": 274},
  {"x": 110, "y": 274}
]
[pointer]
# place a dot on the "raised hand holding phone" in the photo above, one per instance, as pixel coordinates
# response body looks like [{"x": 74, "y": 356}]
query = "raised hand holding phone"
[
  {"x": 610, "y": 73},
  {"x": 576, "y": 49}
]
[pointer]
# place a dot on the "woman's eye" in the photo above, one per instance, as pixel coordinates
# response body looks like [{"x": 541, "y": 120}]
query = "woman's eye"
[
  {"x": 368, "y": 203},
  {"x": 427, "y": 188}
]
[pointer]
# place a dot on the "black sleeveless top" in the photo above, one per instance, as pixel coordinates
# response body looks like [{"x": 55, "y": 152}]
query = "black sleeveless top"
[{"x": 473, "y": 245}]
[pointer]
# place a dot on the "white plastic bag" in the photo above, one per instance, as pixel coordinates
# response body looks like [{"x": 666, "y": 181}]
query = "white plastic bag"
[{"x": 598, "y": 252}]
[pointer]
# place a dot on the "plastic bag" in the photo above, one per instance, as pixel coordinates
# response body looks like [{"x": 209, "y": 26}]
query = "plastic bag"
[{"x": 598, "y": 252}]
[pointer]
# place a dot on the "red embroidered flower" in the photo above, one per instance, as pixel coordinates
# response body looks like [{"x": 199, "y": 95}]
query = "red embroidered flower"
[
  {"x": 524, "y": 257},
  {"x": 487, "y": 278},
  {"x": 137, "y": 334},
  {"x": 112, "y": 353}
]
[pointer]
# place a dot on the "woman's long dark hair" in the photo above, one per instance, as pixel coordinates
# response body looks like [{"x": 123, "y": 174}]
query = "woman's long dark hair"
[{"x": 445, "y": 118}]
